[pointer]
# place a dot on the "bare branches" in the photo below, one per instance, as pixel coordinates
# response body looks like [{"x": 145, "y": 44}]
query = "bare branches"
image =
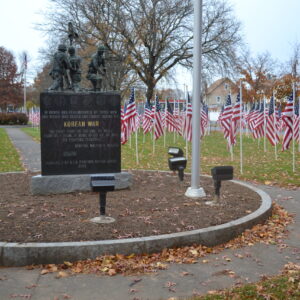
[{"x": 150, "y": 36}]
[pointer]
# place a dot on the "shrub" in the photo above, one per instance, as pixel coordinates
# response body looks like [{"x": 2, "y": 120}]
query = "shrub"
[{"x": 13, "y": 119}]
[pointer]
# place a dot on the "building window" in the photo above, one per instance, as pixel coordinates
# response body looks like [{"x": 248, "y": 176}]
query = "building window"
[
  {"x": 218, "y": 99},
  {"x": 226, "y": 86}
]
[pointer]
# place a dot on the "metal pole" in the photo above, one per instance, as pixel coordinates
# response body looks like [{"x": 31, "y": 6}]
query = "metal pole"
[
  {"x": 102, "y": 203},
  {"x": 25, "y": 110},
  {"x": 265, "y": 125},
  {"x": 241, "y": 129},
  {"x": 293, "y": 125},
  {"x": 275, "y": 125},
  {"x": 136, "y": 147},
  {"x": 186, "y": 128},
  {"x": 195, "y": 191},
  {"x": 165, "y": 123}
]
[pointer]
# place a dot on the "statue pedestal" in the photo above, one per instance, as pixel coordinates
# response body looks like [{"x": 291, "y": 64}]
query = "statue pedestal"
[{"x": 62, "y": 184}]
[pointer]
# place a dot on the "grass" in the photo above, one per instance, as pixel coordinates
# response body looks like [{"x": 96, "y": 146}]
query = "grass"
[
  {"x": 33, "y": 132},
  {"x": 9, "y": 157},
  {"x": 258, "y": 166},
  {"x": 278, "y": 287}
]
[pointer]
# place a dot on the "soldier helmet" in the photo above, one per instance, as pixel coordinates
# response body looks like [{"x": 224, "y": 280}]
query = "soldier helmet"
[
  {"x": 101, "y": 48},
  {"x": 62, "y": 47},
  {"x": 71, "y": 50}
]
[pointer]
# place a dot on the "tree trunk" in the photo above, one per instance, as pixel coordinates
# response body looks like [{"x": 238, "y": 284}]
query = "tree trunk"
[{"x": 150, "y": 91}]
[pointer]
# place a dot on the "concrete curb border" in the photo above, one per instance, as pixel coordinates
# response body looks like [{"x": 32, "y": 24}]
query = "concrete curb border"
[{"x": 18, "y": 254}]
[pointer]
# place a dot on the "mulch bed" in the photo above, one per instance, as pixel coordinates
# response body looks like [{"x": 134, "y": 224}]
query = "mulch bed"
[{"x": 155, "y": 204}]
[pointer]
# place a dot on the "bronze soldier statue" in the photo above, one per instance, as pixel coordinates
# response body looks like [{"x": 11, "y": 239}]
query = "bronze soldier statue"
[
  {"x": 97, "y": 70},
  {"x": 75, "y": 71},
  {"x": 61, "y": 65}
]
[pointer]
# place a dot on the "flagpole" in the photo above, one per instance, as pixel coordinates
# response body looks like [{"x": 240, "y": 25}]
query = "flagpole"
[
  {"x": 195, "y": 191},
  {"x": 144, "y": 135},
  {"x": 275, "y": 125},
  {"x": 165, "y": 128},
  {"x": 153, "y": 137},
  {"x": 228, "y": 139},
  {"x": 176, "y": 119},
  {"x": 136, "y": 147},
  {"x": 186, "y": 128},
  {"x": 241, "y": 134},
  {"x": 25, "y": 71},
  {"x": 265, "y": 141},
  {"x": 293, "y": 125}
]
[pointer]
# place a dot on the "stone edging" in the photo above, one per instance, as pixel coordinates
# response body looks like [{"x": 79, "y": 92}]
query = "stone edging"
[{"x": 21, "y": 254}]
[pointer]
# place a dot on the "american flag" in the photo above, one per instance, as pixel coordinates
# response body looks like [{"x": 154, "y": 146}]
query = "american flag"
[
  {"x": 171, "y": 124},
  {"x": 177, "y": 117},
  {"x": 287, "y": 117},
  {"x": 176, "y": 109},
  {"x": 220, "y": 116},
  {"x": 34, "y": 117},
  {"x": 187, "y": 124},
  {"x": 130, "y": 114},
  {"x": 124, "y": 130},
  {"x": 204, "y": 119},
  {"x": 147, "y": 118},
  {"x": 225, "y": 119},
  {"x": 259, "y": 122},
  {"x": 236, "y": 116},
  {"x": 272, "y": 125},
  {"x": 249, "y": 115},
  {"x": 297, "y": 123},
  {"x": 158, "y": 126},
  {"x": 252, "y": 120}
]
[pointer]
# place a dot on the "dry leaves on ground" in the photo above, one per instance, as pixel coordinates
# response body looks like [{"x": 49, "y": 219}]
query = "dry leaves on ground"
[{"x": 272, "y": 232}]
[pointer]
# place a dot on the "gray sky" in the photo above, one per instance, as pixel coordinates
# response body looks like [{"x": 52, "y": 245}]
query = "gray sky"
[{"x": 268, "y": 25}]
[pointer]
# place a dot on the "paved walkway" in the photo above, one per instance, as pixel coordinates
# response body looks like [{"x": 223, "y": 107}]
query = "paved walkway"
[
  {"x": 179, "y": 280},
  {"x": 30, "y": 151}
]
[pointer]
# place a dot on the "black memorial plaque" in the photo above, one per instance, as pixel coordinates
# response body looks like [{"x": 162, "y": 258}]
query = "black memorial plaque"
[{"x": 80, "y": 133}]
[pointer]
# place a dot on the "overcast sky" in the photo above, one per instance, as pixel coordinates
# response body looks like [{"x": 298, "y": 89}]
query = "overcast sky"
[{"x": 268, "y": 25}]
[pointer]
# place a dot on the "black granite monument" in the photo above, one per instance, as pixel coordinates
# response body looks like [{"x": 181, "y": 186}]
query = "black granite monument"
[
  {"x": 80, "y": 129},
  {"x": 80, "y": 133}
]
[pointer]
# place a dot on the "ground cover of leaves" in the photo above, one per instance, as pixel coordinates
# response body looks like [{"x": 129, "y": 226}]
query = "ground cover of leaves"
[{"x": 272, "y": 232}]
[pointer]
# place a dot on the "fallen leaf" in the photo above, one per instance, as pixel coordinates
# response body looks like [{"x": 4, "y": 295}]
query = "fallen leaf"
[
  {"x": 44, "y": 271},
  {"x": 61, "y": 274},
  {"x": 112, "y": 272},
  {"x": 68, "y": 264}
]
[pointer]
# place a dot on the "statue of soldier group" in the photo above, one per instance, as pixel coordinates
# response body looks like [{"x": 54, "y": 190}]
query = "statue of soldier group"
[{"x": 66, "y": 72}]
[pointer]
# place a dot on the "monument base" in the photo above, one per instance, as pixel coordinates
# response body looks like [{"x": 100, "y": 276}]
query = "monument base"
[
  {"x": 195, "y": 193},
  {"x": 62, "y": 184},
  {"x": 102, "y": 220}
]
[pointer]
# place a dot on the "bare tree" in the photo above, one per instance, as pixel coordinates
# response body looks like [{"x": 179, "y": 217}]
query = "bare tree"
[
  {"x": 150, "y": 37},
  {"x": 294, "y": 60}
]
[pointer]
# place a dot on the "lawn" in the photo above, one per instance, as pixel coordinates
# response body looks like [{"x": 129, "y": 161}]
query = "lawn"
[
  {"x": 9, "y": 157},
  {"x": 258, "y": 166},
  {"x": 33, "y": 132},
  {"x": 279, "y": 287}
]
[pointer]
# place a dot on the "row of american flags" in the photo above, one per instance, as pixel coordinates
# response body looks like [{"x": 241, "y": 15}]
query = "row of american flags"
[
  {"x": 160, "y": 120},
  {"x": 262, "y": 121},
  {"x": 34, "y": 117}
]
